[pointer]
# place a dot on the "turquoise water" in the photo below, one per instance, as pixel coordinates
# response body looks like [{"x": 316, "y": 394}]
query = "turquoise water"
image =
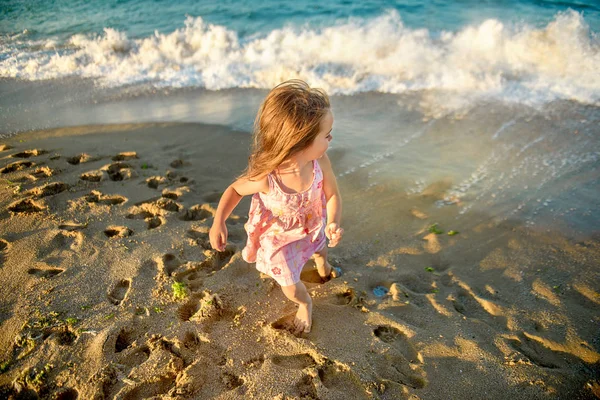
[
  {"x": 140, "y": 18},
  {"x": 530, "y": 52}
]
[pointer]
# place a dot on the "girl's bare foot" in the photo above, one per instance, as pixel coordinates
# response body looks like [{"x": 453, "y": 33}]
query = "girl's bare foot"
[
  {"x": 303, "y": 320},
  {"x": 299, "y": 295},
  {"x": 327, "y": 272}
]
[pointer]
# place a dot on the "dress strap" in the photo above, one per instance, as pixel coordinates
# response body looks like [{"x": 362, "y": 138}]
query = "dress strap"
[
  {"x": 272, "y": 183},
  {"x": 317, "y": 169},
  {"x": 275, "y": 179}
]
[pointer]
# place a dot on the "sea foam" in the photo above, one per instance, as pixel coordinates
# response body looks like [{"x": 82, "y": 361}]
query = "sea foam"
[{"x": 517, "y": 63}]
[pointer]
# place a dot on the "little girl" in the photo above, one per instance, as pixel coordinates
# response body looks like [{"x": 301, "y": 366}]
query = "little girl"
[{"x": 296, "y": 201}]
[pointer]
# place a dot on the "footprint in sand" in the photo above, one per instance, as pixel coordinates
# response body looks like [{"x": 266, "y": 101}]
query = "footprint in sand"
[
  {"x": 168, "y": 205},
  {"x": 221, "y": 258},
  {"x": 118, "y": 231},
  {"x": 45, "y": 272},
  {"x": 119, "y": 292},
  {"x": 119, "y": 171},
  {"x": 168, "y": 264},
  {"x": 348, "y": 297},
  {"x": 133, "y": 356},
  {"x": 79, "y": 159},
  {"x": 16, "y": 166},
  {"x": 231, "y": 381},
  {"x": 177, "y": 163},
  {"x": 153, "y": 207},
  {"x": 64, "y": 336},
  {"x": 126, "y": 155},
  {"x": 174, "y": 176},
  {"x": 29, "y": 153},
  {"x": 176, "y": 193},
  {"x": 210, "y": 308},
  {"x": 154, "y": 181},
  {"x": 539, "y": 354},
  {"x": 402, "y": 364},
  {"x": 254, "y": 362},
  {"x": 192, "y": 278},
  {"x": 170, "y": 194},
  {"x": 97, "y": 197},
  {"x": 338, "y": 378},
  {"x": 145, "y": 209},
  {"x": 92, "y": 176},
  {"x": 421, "y": 283},
  {"x": 148, "y": 389},
  {"x": 49, "y": 189},
  {"x": 72, "y": 226},
  {"x": 66, "y": 394},
  {"x": 67, "y": 240},
  {"x": 187, "y": 310},
  {"x": 296, "y": 361},
  {"x": 163, "y": 362},
  {"x": 216, "y": 261},
  {"x": 200, "y": 237},
  {"x": 396, "y": 369},
  {"x": 398, "y": 340},
  {"x": 124, "y": 339},
  {"x": 26, "y": 206},
  {"x": 474, "y": 307},
  {"x": 191, "y": 340},
  {"x": 155, "y": 222},
  {"x": 197, "y": 213},
  {"x": 305, "y": 388},
  {"x": 42, "y": 172},
  {"x": 4, "y": 248}
]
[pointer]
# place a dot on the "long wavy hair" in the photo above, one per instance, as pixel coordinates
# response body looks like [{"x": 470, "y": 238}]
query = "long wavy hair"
[{"x": 287, "y": 123}]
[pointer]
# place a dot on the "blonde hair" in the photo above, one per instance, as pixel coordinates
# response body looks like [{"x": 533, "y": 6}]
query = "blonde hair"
[{"x": 287, "y": 122}]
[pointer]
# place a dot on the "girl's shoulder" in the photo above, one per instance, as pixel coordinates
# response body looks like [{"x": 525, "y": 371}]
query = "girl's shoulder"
[
  {"x": 325, "y": 165},
  {"x": 246, "y": 186}
]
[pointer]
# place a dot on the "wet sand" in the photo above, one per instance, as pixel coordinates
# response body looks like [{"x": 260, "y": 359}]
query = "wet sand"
[{"x": 110, "y": 288}]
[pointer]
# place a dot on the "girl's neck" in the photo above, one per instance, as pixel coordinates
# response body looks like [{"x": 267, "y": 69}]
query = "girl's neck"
[{"x": 293, "y": 165}]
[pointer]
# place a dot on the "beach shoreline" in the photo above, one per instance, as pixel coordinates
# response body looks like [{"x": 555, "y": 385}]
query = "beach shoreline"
[{"x": 99, "y": 222}]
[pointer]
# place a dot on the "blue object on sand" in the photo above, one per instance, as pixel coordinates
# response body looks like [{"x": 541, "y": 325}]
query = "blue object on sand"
[{"x": 380, "y": 291}]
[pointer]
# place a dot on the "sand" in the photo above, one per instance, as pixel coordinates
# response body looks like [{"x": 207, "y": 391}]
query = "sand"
[{"x": 110, "y": 288}]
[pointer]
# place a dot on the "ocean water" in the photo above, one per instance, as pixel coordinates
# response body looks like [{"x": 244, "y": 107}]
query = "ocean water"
[
  {"x": 489, "y": 108},
  {"x": 519, "y": 51}
]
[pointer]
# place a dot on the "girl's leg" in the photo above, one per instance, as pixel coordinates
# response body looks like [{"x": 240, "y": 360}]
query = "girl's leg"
[
  {"x": 299, "y": 295},
  {"x": 326, "y": 271}
]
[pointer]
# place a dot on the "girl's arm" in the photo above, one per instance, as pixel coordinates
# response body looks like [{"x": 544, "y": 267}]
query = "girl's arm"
[
  {"x": 230, "y": 199},
  {"x": 334, "y": 202}
]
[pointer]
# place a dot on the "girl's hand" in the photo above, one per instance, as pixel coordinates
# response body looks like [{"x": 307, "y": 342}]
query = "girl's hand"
[
  {"x": 218, "y": 236},
  {"x": 334, "y": 233}
]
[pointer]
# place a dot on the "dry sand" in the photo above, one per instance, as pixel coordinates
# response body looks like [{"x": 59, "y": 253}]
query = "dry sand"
[{"x": 98, "y": 223}]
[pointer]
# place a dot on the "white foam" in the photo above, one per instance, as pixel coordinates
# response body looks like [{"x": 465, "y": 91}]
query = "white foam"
[
  {"x": 503, "y": 128},
  {"x": 514, "y": 63}
]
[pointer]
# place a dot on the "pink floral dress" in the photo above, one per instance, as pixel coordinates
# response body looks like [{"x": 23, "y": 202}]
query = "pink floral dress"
[{"x": 286, "y": 229}]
